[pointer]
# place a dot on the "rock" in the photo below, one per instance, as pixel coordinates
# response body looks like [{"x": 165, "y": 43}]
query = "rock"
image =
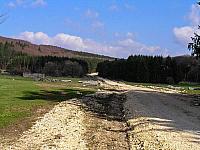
[{"x": 66, "y": 81}]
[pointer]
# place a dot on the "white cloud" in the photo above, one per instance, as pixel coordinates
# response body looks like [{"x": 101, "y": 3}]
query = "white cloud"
[
  {"x": 97, "y": 25},
  {"x": 68, "y": 41},
  {"x": 121, "y": 48},
  {"x": 92, "y": 18},
  {"x": 116, "y": 34},
  {"x": 11, "y": 4},
  {"x": 139, "y": 47},
  {"x": 19, "y": 2},
  {"x": 39, "y": 3},
  {"x": 26, "y": 3},
  {"x": 129, "y": 7},
  {"x": 121, "y": 35},
  {"x": 130, "y": 34},
  {"x": 124, "y": 7},
  {"x": 16, "y": 3},
  {"x": 194, "y": 15},
  {"x": 37, "y": 38},
  {"x": 113, "y": 8},
  {"x": 61, "y": 39},
  {"x": 183, "y": 34},
  {"x": 91, "y": 14}
]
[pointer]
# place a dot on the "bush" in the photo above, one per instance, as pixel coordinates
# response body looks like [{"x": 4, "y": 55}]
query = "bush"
[{"x": 170, "y": 80}]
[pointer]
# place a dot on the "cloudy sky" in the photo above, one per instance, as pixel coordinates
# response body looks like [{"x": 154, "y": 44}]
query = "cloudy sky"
[{"x": 116, "y": 28}]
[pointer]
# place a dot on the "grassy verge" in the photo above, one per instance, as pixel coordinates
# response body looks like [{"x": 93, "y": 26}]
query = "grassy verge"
[
  {"x": 20, "y": 96},
  {"x": 183, "y": 87},
  {"x": 188, "y": 88}
]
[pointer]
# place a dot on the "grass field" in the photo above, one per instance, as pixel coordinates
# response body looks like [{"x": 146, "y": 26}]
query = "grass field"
[{"x": 20, "y": 96}]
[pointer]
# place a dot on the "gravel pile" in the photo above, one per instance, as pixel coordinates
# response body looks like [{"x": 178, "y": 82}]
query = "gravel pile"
[{"x": 61, "y": 128}]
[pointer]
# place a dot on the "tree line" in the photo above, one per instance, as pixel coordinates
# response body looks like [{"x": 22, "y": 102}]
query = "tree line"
[
  {"x": 149, "y": 69},
  {"x": 17, "y": 63}
]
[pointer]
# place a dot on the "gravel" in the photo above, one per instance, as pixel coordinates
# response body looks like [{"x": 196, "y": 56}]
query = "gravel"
[{"x": 62, "y": 128}]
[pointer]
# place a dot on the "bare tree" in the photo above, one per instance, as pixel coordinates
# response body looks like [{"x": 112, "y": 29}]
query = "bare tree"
[{"x": 2, "y": 18}]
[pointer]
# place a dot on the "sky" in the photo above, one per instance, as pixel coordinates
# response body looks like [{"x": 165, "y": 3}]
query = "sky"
[{"x": 117, "y": 28}]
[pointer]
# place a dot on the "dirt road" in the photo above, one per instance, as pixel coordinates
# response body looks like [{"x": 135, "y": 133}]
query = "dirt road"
[
  {"x": 119, "y": 117},
  {"x": 160, "y": 119}
]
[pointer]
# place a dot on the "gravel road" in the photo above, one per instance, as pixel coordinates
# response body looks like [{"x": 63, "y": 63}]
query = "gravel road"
[{"x": 162, "y": 121}]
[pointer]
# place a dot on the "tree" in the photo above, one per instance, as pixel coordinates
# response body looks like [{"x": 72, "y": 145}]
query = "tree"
[
  {"x": 194, "y": 46},
  {"x": 145, "y": 69},
  {"x": 18, "y": 62},
  {"x": 2, "y": 18}
]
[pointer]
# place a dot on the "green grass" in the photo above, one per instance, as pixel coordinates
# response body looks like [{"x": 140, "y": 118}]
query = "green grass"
[
  {"x": 74, "y": 84},
  {"x": 12, "y": 107},
  {"x": 187, "y": 84},
  {"x": 191, "y": 92},
  {"x": 19, "y": 96},
  {"x": 146, "y": 84},
  {"x": 184, "y": 85}
]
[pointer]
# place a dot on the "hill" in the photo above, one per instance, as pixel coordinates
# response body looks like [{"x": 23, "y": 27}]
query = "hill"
[{"x": 49, "y": 50}]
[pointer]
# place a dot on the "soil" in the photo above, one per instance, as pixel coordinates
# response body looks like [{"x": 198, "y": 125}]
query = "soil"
[{"x": 105, "y": 122}]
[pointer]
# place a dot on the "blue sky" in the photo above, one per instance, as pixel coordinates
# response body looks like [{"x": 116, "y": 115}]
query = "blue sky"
[{"x": 111, "y": 27}]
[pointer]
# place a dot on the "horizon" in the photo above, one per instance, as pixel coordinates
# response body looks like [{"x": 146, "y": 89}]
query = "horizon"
[{"x": 114, "y": 28}]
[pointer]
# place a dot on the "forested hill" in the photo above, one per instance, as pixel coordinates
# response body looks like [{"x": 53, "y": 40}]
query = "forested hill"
[{"x": 48, "y": 50}]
